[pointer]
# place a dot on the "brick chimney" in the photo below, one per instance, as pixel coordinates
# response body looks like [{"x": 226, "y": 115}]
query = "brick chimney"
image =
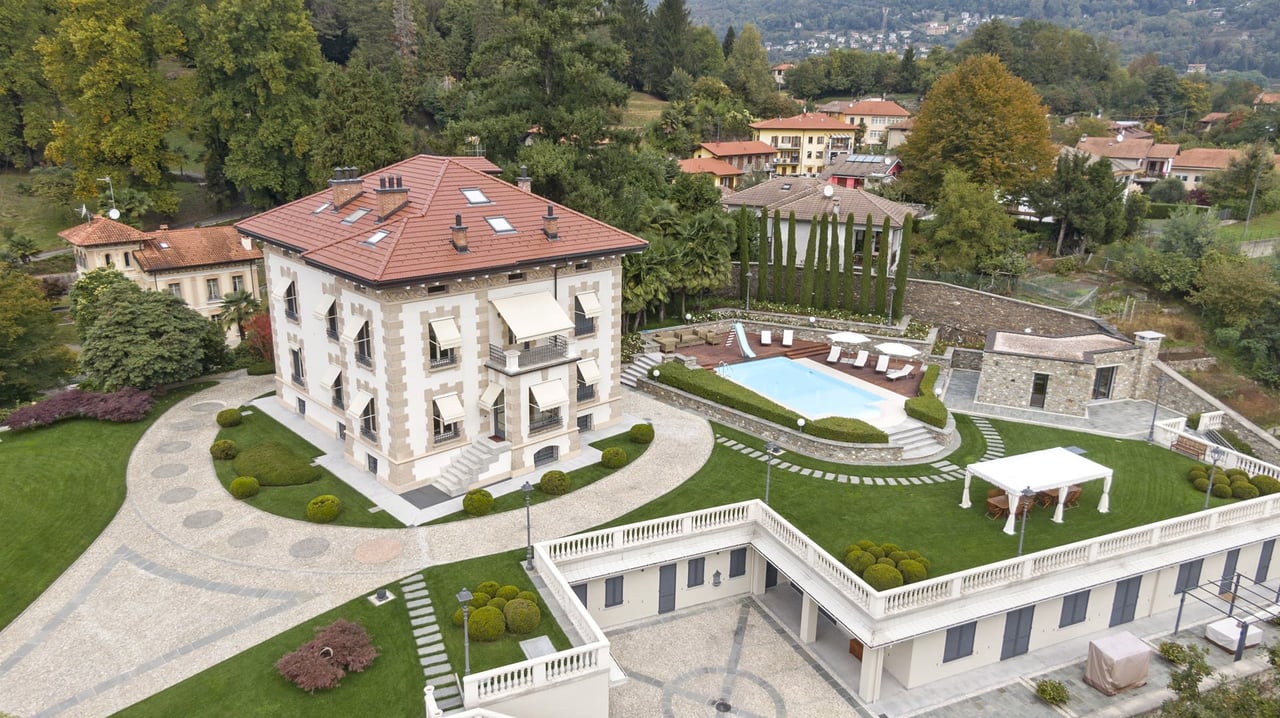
[
  {"x": 524, "y": 182},
  {"x": 551, "y": 224},
  {"x": 392, "y": 196},
  {"x": 346, "y": 186},
  {"x": 459, "y": 235}
]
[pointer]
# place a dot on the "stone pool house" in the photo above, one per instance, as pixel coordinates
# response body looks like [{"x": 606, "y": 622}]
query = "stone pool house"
[{"x": 450, "y": 328}]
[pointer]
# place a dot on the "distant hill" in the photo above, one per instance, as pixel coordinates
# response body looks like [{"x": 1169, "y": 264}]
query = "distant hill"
[{"x": 1237, "y": 35}]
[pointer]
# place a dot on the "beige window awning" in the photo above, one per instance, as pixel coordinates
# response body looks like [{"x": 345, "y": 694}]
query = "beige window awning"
[
  {"x": 352, "y": 328},
  {"x": 322, "y": 309},
  {"x": 589, "y": 370},
  {"x": 359, "y": 400},
  {"x": 490, "y": 395},
  {"x": 533, "y": 316},
  {"x": 449, "y": 407},
  {"x": 590, "y": 303},
  {"x": 279, "y": 290},
  {"x": 330, "y": 377},
  {"x": 447, "y": 334},
  {"x": 549, "y": 395}
]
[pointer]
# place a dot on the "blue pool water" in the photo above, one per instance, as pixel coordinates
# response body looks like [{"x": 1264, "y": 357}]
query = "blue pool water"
[{"x": 803, "y": 390}]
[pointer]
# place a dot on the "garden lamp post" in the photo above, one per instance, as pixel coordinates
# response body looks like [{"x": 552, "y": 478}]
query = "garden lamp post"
[
  {"x": 1215, "y": 455},
  {"x": 748, "y": 290},
  {"x": 773, "y": 451},
  {"x": 1244, "y": 236},
  {"x": 528, "y": 525},
  {"x": 1161, "y": 380},
  {"x": 464, "y": 597},
  {"x": 1025, "y": 498}
]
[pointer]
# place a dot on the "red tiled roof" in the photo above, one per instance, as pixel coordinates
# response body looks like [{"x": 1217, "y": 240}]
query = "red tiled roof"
[
  {"x": 873, "y": 108},
  {"x": 805, "y": 121},
  {"x": 101, "y": 231},
  {"x": 803, "y": 195},
  {"x": 709, "y": 165},
  {"x": 187, "y": 248},
  {"x": 735, "y": 149},
  {"x": 905, "y": 125},
  {"x": 1267, "y": 98},
  {"x": 417, "y": 244},
  {"x": 1135, "y": 149},
  {"x": 482, "y": 163},
  {"x": 1215, "y": 117},
  {"x": 1205, "y": 158}
]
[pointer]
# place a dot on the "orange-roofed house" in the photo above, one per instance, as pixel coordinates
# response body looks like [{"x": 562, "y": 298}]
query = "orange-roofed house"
[
  {"x": 451, "y": 329},
  {"x": 1135, "y": 161},
  {"x": 724, "y": 174},
  {"x": 877, "y": 116},
  {"x": 804, "y": 144},
  {"x": 1193, "y": 165},
  {"x": 198, "y": 266},
  {"x": 748, "y": 155}
]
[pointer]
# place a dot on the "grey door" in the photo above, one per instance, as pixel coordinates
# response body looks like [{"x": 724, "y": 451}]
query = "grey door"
[
  {"x": 1229, "y": 571},
  {"x": 667, "y": 588},
  {"x": 500, "y": 416},
  {"x": 1017, "y": 632},
  {"x": 1125, "y": 603},
  {"x": 580, "y": 590},
  {"x": 1039, "y": 390},
  {"x": 770, "y": 575},
  {"x": 1264, "y": 561},
  {"x": 1102, "y": 381}
]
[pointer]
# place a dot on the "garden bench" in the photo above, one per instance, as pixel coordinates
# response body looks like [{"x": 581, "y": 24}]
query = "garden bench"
[{"x": 1190, "y": 447}]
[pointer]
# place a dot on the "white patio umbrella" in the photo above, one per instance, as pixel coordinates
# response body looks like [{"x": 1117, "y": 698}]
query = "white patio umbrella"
[
  {"x": 897, "y": 349},
  {"x": 848, "y": 338}
]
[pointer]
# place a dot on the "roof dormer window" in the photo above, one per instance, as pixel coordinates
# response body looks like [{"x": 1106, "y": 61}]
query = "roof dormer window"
[
  {"x": 500, "y": 225},
  {"x": 476, "y": 196},
  {"x": 355, "y": 216}
]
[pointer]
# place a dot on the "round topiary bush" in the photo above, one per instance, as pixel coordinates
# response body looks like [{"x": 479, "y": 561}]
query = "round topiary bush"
[
  {"x": 858, "y": 561},
  {"x": 613, "y": 458},
  {"x": 912, "y": 571},
  {"x": 1237, "y": 474},
  {"x": 914, "y": 555},
  {"x": 1196, "y": 472},
  {"x": 323, "y": 508},
  {"x": 489, "y": 587},
  {"x": 223, "y": 450},
  {"x": 1266, "y": 485},
  {"x": 923, "y": 562},
  {"x": 457, "y": 617},
  {"x": 889, "y": 548},
  {"x": 486, "y": 624},
  {"x": 865, "y": 545},
  {"x": 1201, "y": 484},
  {"x": 882, "y": 577},
  {"x": 522, "y": 616},
  {"x": 554, "y": 483},
  {"x": 1222, "y": 491},
  {"x": 480, "y": 599},
  {"x": 497, "y": 602},
  {"x": 228, "y": 418},
  {"x": 887, "y": 561},
  {"x": 898, "y": 556},
  {"x": 1221, "y": 479},
  {"x": 477, "y": 502},
  {"x": 508, "y": 592},
  {"x": 242, "y": 487},
  {"x": 640, "y": 433},
  {"x": 876, "y": 551},
  {"x": 1244, "y": 490},
  {"x": 529, "y": 596}
]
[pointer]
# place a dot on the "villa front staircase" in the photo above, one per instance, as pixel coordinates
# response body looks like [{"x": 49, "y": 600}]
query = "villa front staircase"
[
  {"x": 468, "y": 466},
  {"x": 639, "y": 368},
  {"x": 916, "y": 441}
]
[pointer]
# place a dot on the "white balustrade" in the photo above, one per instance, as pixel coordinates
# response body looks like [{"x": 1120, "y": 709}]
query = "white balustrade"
[{"x": 534, "y": 673}]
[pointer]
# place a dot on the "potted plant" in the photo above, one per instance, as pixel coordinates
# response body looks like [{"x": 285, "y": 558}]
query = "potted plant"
[{"x": 1052, "y": 692}]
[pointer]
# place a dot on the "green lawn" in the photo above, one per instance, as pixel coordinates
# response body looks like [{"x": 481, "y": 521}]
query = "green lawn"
[
  {"x": 291, "y": 501},
  {"x": 642, "y": 109},
  {"x": 248, "y": 685},
  {"x": 32, "y": 216},
  {"x": 61, "y": 485},
  {"x": 584, "y": 476},
  {"x": 1262, "y": 226},
  {"x": 1148, "y": 486}
]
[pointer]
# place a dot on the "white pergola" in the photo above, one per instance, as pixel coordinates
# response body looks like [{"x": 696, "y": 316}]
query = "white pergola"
[{"x": 1038, "y": 471}]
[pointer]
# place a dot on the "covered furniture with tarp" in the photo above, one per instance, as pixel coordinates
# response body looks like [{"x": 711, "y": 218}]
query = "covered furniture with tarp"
[
  {"x": 1117, "y": 662},
  {"x": 1055, "y": 469}
]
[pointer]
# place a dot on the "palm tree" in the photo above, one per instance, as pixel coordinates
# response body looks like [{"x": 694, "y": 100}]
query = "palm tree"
[
  {"x": 237, "y": 307},
  {"x": 646, "y": 279}
]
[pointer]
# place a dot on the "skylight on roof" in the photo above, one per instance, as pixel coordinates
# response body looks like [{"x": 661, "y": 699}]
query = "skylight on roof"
[
  {"x": 321, "y": 208},
  {"x": 164, "y": 245},
  {"x": 354, "y": 216},
  {"x": 786, "y": 187},
  {"x": 500, "y": 224},
  {"x": 376, "y": 237},
  {"x": 475, "y": 196}
]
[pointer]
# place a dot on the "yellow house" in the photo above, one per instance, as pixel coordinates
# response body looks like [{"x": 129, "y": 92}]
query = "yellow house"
[
  {"x": 877, "y": 116},
  {"x": 804, "y": 144}
]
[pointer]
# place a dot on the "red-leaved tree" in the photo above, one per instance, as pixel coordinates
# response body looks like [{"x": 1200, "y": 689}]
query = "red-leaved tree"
[
  {"x": 319, "y": 664},
  {"x": 257, "y": 334}
]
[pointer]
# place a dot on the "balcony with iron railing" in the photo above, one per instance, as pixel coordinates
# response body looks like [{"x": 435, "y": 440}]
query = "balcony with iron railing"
[
  {"x": 448, "y": 433},
  {"x": 518, "y": 359}
]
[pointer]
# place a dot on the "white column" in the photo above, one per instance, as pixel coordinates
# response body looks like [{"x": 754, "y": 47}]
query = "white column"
[
  {"x": 808, "y": 619},
  {"x": 872, "y": 674},
  {"x": 964, "y": 500},
  {"x": 759, "y": 564},
  {"x": 1104, "y": 505},
  {"x": 1013, "y": 512},
  {"x": 1062, "y": 499}
]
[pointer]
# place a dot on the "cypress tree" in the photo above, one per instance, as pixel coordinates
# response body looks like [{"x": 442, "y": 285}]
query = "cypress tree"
[
  {"x": 864, "y": 291},
  {"x": 806, "y": 277},
  {"x": 833, "y": 263},
  {"x": 900, "y": 277},
  {"x": 849, "y": 298},
  {"x": 744, "y": 256},
  {"x": 779, "y": 257},
  {"x": 789, "y": 285},
  {"x": 818, "y": 238},
  {"x": 882, "y": 270},
  {"x": 762, "y": 261}
]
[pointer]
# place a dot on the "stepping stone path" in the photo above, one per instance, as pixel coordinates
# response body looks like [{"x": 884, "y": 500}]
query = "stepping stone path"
[
  {"x": 946, "y": 471},
  {"x": 431, "y": 653}
]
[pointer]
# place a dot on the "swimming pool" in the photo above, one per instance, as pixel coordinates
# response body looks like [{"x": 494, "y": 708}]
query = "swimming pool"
[{"x": 805, "y": 390}]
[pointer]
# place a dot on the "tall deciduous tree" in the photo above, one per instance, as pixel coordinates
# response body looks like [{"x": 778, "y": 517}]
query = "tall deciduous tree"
[
  {"x": 747, "y": 71},
  {"x": 358, "y": 123},
  {"x": 101, "y": 62},
  {"x": 144, "y": 340},
  {"x": 258, "y": 69},
  {"x": 970, "y": 227},
  {"x": 980, "y": 119},
  {"x": 27, "y": 104},
  {"x": 1084, "y": 199},
  {"x": 31, "y": 358}
]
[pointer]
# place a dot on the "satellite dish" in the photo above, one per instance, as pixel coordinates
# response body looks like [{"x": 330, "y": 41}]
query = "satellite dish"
[
  {"x": 113, "y": 213},
  {"x": 1120, "y": 137},
  {"x": 83, "y": 212},
  {"x": 827, "y": 191}
]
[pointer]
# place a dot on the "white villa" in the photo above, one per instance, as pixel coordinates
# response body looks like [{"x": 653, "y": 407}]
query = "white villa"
[{"x": 451, "y": 328}]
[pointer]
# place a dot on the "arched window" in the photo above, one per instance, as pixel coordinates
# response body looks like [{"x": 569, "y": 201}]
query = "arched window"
[{"x": 364, "y": 345}]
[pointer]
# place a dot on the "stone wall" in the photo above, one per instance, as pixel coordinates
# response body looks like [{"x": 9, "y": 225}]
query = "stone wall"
[
  {"x": 1006, "y": 380},
  {"x": 1183, "y": 396},
  {"x": 962, "y": 358}
]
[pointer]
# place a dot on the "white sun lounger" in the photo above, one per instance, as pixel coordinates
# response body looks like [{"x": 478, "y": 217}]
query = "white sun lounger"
[
  {"x": 766, "y": 337},
  {"x": 861, "y": 360},
  {"x": 833, "y": 356},
  {"x": 788, "y": 337},
  {"x": 882, "y": 364},
  {"x": 902, "y": 373}
]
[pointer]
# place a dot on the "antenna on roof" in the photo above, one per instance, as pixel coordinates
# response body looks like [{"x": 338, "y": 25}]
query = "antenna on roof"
[
  {"x": 83, "y": 212},
  {"x": 114, "y": 213}
]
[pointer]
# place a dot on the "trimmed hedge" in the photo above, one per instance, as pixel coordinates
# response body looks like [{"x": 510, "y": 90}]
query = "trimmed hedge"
[
  {"x": 840, "y": 428},
  {"x": 323, "y": 508},
  {"x": 641, "y": 433},
  {"x": 224, "y": 450},
  {"x": 242, "y": 487},
  {"x": 477, "y": 502},
  {"x": 555, "y": 483},
  {"x": 261, "y": 368},
  {"x": 274, "y": 464},
  {"x": 926, "y": 407},
  {"x": 228, "y": 418}
]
